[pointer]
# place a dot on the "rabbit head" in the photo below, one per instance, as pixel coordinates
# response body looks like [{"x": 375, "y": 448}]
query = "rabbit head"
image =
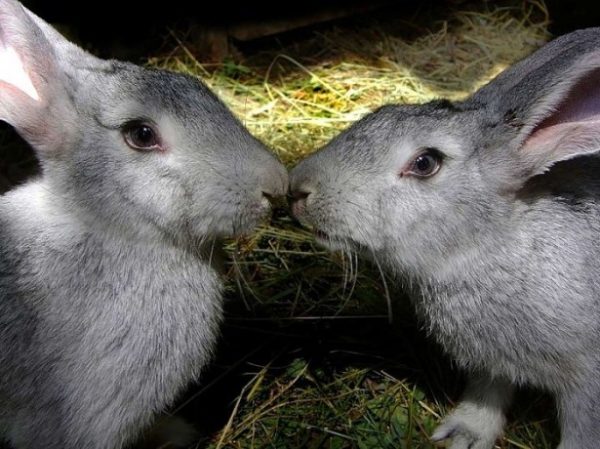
[
  {"x": 418, "y": 183},
  {"x": 147, "y": 152}
]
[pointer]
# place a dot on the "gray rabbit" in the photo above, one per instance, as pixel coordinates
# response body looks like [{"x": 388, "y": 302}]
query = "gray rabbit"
[
  {"x": 489, "y": 208},
  {"x": 110, "y": 302}
]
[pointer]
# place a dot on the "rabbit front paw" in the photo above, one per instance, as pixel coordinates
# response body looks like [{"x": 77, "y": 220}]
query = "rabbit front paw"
[{"x": 470, "y": 427}]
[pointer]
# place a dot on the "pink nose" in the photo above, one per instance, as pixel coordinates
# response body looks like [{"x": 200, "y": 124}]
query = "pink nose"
[{"x": 298, "y": 202}]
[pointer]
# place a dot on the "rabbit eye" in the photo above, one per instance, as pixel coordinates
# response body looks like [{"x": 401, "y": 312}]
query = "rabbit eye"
[
  {"x": 427, "y": 163},
  {"x": 141, "y": 136}
]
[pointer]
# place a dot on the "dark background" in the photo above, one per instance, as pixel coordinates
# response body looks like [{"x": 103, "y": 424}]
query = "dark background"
[{"x": 142, "y": 25}]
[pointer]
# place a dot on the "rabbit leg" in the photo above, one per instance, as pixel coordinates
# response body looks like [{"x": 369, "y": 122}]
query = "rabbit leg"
[
  {"x": 580, "y": 417},
  {"x": 477, "y": 422}
]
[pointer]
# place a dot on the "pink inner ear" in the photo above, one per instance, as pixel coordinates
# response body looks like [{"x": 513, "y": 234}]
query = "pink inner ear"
[
  {"x": 582, "y": 102},
  {"x": 13, "y": 72},
  {"x": 575, "y": 118}
]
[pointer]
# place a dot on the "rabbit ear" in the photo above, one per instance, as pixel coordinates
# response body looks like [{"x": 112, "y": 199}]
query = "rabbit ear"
[
  {"x": 33, "y": 98},
  {"x": 552, "y": 101},
  {"x": 566, "y": 123}
]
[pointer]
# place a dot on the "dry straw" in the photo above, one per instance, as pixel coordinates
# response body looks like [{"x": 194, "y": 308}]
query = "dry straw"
[{"x": 297, "y": 101}]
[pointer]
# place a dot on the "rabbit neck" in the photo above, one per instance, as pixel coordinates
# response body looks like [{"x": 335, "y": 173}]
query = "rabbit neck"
[{"x": 491, "y": 308}]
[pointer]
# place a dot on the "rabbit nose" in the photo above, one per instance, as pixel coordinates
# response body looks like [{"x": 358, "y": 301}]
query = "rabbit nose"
[
  {"x": 269, "y": 196},
  {"x": 275, "y": 187},
  {"x": 274, "y": 198},
  {"x": 298, "y": 199},
  {"x": 299, "y": 195},
  {"x": 277, "y": 203},
  {"x": 274, "y": 182}
]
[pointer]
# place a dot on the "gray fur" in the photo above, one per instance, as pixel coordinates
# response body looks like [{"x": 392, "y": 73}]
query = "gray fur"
[
  {"x": 110, "y": 300},
  {"x": 501, "y": 247}
]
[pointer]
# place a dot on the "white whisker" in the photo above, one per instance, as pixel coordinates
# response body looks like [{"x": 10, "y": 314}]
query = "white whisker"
[{"x": 385, "y": 288}]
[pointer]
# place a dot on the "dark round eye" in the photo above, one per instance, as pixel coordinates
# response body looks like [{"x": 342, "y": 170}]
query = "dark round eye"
[
  {"x": 427, "y": 163},
  {"x": 141, "y": 136}
]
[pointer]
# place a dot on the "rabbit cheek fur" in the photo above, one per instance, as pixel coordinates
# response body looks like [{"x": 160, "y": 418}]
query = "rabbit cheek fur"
[
  {"x": 110, "y": 301},
  {"x": 500, "y": 245}
]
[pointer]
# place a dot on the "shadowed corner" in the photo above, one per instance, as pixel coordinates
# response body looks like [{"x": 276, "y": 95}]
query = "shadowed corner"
[{"x": 17, "y": 159}]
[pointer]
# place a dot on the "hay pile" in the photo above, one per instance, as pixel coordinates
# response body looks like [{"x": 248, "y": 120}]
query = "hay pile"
[
  {"x": 297, "y": 98},
  {"x": 299, "y": 378}
]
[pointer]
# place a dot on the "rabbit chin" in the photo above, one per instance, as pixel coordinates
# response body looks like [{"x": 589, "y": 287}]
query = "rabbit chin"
[
  {"x": 238, "y": 224},
  {"x": 337, "y": 242}
]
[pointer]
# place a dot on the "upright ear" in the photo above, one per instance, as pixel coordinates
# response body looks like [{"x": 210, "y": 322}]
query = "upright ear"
[
  {"x": 566, "y": 123},
  {"x": 33, "y": 87},
  {"x": 550, "y": 102}
]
